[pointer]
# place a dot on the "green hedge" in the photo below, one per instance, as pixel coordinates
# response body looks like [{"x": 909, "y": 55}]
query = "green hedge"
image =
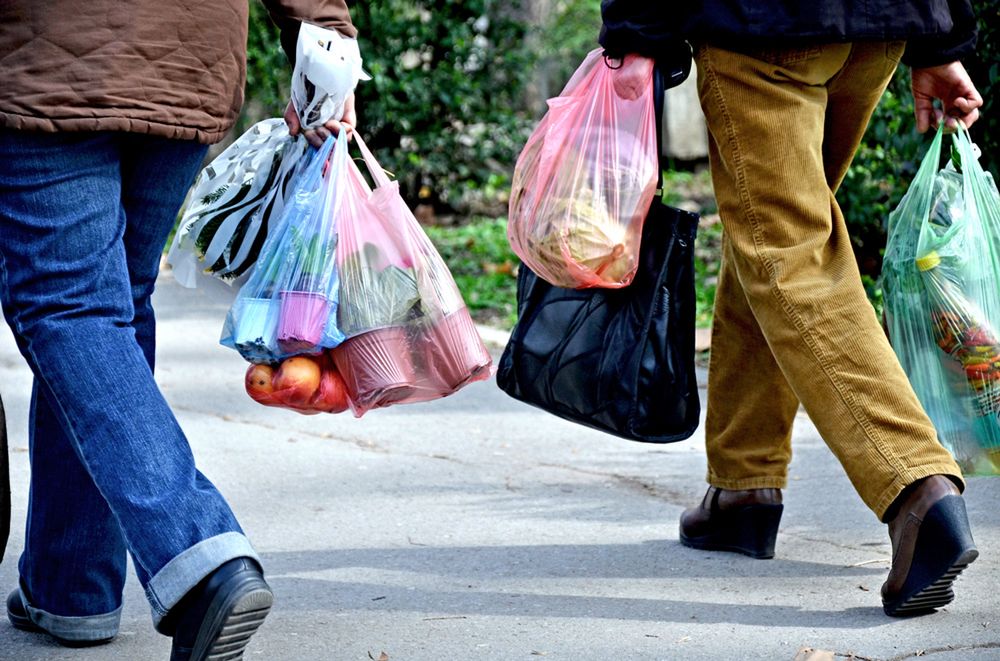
[{"x": 444, "y": 111}]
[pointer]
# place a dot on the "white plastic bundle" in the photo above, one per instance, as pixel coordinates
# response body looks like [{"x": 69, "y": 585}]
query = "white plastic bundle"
[{"x": 327, "y": 69}]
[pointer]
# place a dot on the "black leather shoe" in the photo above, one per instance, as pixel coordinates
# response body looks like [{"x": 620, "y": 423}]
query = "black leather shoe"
[
  {"x": 931, "y": 545},
  {"x": 739, "y": 521},
  {"x": 18, "y": 616},
  {"x": 215, "y": 620}
]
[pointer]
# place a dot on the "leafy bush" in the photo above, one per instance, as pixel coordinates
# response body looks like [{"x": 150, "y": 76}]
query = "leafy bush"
[
  {"x": 444, "y": 107},
  {"x": 985, "y": 72},
  {"x": 484, "y": 267},
  {"x": 444, "y": 110},
  {"x": 268, "y": 72}
]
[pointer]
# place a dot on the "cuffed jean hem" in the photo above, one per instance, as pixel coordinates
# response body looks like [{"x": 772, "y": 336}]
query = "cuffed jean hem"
[
  {"x": 737, "y": 484},
  {"x": 186, "y": 570},
  {"x": 75, "y": 627}
]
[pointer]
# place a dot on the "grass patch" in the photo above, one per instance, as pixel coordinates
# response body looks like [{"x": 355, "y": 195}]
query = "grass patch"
[
  {"x": 484, "y": 267},
  {"x": 707, "y": 257}
]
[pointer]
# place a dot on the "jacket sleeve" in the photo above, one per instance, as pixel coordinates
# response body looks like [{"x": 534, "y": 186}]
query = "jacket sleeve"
[
  {"x": 638, "y": 26},
  {"x": 288, "y": 15},
  {"x": 643, "y": 28},
  {"x": 933, "y": 50}
]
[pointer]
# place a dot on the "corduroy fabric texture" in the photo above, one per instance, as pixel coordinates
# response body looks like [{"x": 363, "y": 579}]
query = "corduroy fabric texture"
[{"x": 792, "y": 322}]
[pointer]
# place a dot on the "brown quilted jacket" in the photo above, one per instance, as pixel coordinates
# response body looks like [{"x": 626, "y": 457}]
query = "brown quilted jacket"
[{"x": 173, "y": 68}]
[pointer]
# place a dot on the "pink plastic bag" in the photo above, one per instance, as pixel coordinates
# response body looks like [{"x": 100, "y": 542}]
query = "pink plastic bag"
[
  {"x": 586, "y": 177},
  {"x": 409, "y": 334}
]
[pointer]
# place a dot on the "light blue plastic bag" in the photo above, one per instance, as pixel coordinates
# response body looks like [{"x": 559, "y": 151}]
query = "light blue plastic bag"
[{"x": 289, "y": 305}]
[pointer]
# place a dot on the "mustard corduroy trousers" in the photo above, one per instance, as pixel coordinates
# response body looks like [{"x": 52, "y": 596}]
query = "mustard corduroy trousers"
[{"x": 792, "y": 322}]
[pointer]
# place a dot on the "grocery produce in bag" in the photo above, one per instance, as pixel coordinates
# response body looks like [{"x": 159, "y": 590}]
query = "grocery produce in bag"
[
  {"x": 942, "y": 299},
  {"x": 307, "y": 384},
  {"x": 409, "y": 336},
  {"x": 970, "y": 349},
  {"x": 288, "y": 306},
  {"x": 585, "y": 179}
]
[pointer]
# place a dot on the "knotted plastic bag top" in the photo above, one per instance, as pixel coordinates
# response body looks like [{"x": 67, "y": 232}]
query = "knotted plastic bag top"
[
  {"x": 327, "y": 69},
  {"x": 585, "y": 179}
]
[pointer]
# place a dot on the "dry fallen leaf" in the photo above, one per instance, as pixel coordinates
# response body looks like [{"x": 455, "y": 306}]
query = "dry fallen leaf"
[
  {"x": 864, "y": 588},
  {"x": 810, "y": 654},
  {"x": 381, "y": 657}
]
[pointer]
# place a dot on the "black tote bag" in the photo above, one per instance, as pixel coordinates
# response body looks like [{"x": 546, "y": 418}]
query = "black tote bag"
[{"x": 618, "y": 360}]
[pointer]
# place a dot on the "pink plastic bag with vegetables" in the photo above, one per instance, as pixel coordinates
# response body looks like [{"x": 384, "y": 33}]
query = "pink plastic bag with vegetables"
[
  {"x": 585, "y": 179},
  {"x": 409, "y": 334}
]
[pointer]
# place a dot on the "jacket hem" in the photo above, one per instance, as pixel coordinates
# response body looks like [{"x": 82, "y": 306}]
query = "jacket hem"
[{"x": 12, "y": 120}]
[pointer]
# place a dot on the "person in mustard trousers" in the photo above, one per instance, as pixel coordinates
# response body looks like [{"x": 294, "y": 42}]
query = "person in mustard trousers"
[{"x": 787, "y": 90}]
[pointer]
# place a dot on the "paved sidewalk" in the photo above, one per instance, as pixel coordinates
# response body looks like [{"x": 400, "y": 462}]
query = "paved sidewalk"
[{"x": 476, "y": 528}]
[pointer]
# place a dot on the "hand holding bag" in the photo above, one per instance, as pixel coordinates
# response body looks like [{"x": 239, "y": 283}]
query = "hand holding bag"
[{"x": 586, "y": 177}]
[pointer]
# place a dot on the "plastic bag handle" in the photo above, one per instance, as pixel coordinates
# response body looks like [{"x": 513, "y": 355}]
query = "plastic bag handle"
[{"x": 376, "y": 171}]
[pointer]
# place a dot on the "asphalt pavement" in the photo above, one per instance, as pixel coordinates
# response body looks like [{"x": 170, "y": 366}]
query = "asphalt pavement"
[{"x": 476, "y": 528}]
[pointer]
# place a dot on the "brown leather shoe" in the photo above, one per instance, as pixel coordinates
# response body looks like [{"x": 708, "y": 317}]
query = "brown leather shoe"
[
  {"x": 739, "y": 521},
  {"x": 931, "y": 545}
]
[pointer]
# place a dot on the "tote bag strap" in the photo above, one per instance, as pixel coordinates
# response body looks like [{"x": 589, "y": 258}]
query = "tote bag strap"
[{"x": 669, "y": 71}]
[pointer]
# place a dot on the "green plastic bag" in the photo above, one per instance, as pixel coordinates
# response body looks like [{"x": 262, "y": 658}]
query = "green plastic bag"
[{"x": 941, "y": 281}]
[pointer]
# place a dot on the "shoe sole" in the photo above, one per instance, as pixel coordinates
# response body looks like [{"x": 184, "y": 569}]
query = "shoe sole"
[
  {"x": 937, "y": 594},
  {"x": 750, "y": 530},
  {"x": 23, "y": 623},
  {"x": 703, "y": 544},
  {"x": 944, "y": 549},
  {"x": 233, "y": 619}
]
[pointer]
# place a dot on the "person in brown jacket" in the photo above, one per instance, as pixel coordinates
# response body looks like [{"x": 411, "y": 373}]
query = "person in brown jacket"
[{"x": 106, "y": 111}]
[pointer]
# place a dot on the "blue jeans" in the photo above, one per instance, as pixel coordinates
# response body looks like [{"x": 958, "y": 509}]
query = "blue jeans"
[{"x": 83, "y": 220}]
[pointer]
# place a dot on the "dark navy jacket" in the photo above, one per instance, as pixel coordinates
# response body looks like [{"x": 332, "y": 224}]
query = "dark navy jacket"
[{"x": 937, "y": 31}]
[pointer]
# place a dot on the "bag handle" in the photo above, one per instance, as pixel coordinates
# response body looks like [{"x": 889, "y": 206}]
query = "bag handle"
[
  {"x": 659, "y": 92},
  {"x": 376, "y": 171}
]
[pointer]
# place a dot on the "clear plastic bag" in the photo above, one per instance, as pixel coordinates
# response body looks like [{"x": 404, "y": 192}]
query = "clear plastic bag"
[
  {"x": 409, "y": 334},
  {"x": 233, "y": 202},
  {"x": 288, "y": 305},
  {"x": 586, "y": 177},
  {"x": 941, "y": 279}
]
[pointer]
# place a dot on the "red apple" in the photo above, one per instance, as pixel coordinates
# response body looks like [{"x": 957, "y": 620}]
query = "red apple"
[
  {"x": 297, "y": 380},
  {"x": 259, "y": 384}
]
